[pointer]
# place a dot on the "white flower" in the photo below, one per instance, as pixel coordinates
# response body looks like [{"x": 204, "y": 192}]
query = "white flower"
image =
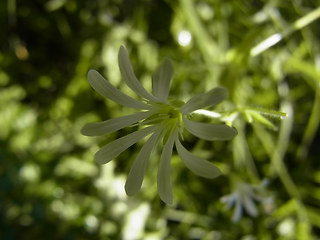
[
  {"x": 244, "y": 197},
  {"x": 164, "y": 119}
]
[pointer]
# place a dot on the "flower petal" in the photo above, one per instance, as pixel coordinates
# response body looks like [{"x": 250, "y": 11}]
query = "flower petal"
[
  {"x": 250, "y": 206},
  {"x": 163, "y": 179},
  {"x": 102, "y": 86},
  {"x": 197, "y": 165},
  {"x": 237, "y": 212},
  {"x": 129, "y": 76},
  {"x": 161, "y": 80},
  {"x": 112, "y": 125},
  {"x": 113, "y": 149},
  {"x": 202, "y": 100},
  {"x": 136, "y": 174},
  {"x": 209, "y": 131},
  {"x": 229, "y": 200}
]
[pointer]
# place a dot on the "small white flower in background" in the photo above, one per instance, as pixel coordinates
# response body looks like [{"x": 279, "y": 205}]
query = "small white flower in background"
[
  {"x": 243, "y": 198},
  {"x": 162, "y": 118}
]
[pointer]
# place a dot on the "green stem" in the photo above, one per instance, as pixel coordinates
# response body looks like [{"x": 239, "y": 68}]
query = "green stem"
[
  {"x": 280, "y": 150},
  {"x": 12, "y": 12},
  {"x": 307, "y": 19},
  {"x": 242, "y": 155},
  {"x": 312, "y": 78},
  {"x": 312, "y": 127},
  {"x": 277, "y": 152},
  {"x": 207, "y": 46},
  {"x": 277, "y": 37},
  {"x": 268, "y": 112}
]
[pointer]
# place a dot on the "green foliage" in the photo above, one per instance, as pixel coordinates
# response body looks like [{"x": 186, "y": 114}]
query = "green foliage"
[{"x": 266, "y": 53}]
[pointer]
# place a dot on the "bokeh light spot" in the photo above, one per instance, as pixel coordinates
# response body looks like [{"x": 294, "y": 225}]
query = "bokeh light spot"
[{"x": 184, "y": 38}]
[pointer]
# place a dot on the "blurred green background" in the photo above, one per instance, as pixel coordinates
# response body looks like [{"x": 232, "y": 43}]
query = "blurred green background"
[{"x": 50, "y": 186}]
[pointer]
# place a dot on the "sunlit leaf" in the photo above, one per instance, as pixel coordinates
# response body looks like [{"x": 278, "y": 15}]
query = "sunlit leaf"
[{"x": 257, "y": 117}]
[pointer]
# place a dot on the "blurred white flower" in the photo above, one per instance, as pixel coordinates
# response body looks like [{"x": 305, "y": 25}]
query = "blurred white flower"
[
  {"x": 243, "y": 198},
  {"x": 164, "y": 119}
]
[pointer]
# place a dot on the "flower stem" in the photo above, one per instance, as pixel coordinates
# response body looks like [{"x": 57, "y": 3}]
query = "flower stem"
[
  {"x": 277, "y": 152},
  {"x": 207, "y": 46},
  {"x": 268, "y": 112},
  {"x": 277, "y": 37}
]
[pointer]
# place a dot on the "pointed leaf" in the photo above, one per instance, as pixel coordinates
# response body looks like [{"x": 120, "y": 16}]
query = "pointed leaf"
[
  {"x": 112, "y": 125},
  {"x": 113, "y": 149},
  {"x": 129, "y": 77},
  {"x": 102, "y": 86},
  {"x": 161, "y": 80},
  {"x": 202, "y": 100},
  {"x": 136, "y": 174},
  {"x": 163, "y": 178},
  {"x": 209, "y": 131},
  {"x": 257, "y": 117},
  {"x": 197, "y": 165}
]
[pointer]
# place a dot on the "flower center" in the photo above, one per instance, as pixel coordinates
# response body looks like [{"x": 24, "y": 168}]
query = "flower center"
[
  {"x": 174, "y": 113},
  {"x": 165, "y": 113}
]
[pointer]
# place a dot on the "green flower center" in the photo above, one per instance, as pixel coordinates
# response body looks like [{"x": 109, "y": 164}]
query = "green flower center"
[
  {"x": 168, "y": 113},
  {"x": 174, "y": 113}
]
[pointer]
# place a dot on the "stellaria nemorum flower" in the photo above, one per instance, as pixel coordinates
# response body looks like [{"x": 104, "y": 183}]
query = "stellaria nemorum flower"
[
  {"x": 162, "y": 118},
  {"x": 244, "y": 197}
]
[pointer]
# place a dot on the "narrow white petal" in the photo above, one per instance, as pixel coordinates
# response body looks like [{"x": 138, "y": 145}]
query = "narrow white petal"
[
  {"x": 113, "y": 149},
  {"x": 102, "y": 86},
  {"x": 161, "y": 80},
  {"x": 202, "y": 100},
  {"x": 209, "y": 131},
  {"x": 237, "y": 213},
  {"x": 129, "y": 76},
  {"x": 250, "y": 206},
  {"x": 112, "y": 125},
  {"x": 136, "y": 174},
  {"x": 163, "y": 178},
  {"x": 197, "y": 165},
  {"x": 229, "y": 200}
]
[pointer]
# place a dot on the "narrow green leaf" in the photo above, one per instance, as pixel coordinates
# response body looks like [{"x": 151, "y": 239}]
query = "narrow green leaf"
[
  {"x": 257, "y": 117},
  {"x": 304, "y": 230}
]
